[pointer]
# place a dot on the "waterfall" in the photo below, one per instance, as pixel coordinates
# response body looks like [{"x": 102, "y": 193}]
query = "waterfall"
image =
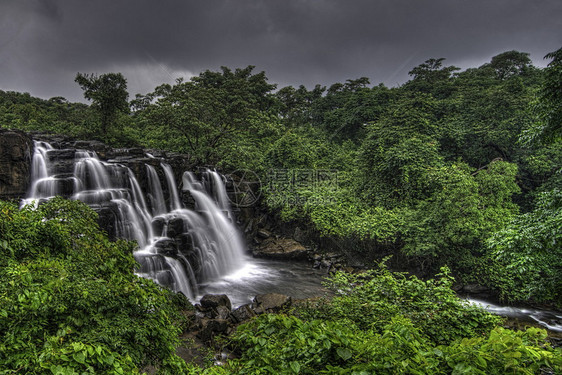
[
  {"x": 156, "y": 195},
  {"x": 178, "y": 247},
  {"x": 42, "y": 185},
  {"x": 174, "y": 198}
]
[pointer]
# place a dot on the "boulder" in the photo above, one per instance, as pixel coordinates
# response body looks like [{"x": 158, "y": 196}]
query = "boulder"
[
  {"x": 475, "y": 289},
  {"x": 271, "y": 303},
  {"x": 282, "y": 248},
  {"x": 175, "y": 227},
  {"x": 212, "y": 301},
  {"x": 222, "y": 312},
  {"x": 242, "y": 313},
  {"x": 158, "y": 224},
  {"x": 167, "y": 247},
  {"x": 211, "y": 327}
]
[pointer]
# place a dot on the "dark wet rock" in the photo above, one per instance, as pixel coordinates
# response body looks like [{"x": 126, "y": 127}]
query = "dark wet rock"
[
  {"x": 282, "y": 248},
  {"x": 57, "y": 155},
  {"x": 95, "y": 146},
  {"x": 107, "y": 217},
  {"x": 16, "y": 149},
  {"x": 184, "y": 243},
  {"x": 175, "y": 227},
  {"x": 187, "y": 199},
  {"x": 299, "y": 235},
  {"x": 475, "y": 289},
  {"x": 158, "y": 224},
  {"x": 165, "y": 277},
  {"x": 222, "y": 312},
  {"x": 242, "y": 313},
  {"x": 212, "y": 301},
  {"x": 167, "y": 247},
  {"x": 211, "y": 327},
  {"x": 157, "y": 153},
  {"x": 271, "y": 303},
  {"x": 137, "y": 151}
]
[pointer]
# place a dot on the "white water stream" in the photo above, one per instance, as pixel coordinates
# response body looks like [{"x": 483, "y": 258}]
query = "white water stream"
[
  {"x": 211, "y": 256},
  {"x": 178, "y": 247}
]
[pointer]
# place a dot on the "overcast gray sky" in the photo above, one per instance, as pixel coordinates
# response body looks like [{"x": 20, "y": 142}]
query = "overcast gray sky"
[{"x": 44, "y": 43}]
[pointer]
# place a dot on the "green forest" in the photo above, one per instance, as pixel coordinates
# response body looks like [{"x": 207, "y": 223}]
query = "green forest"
[{"x": 454, "y": 176}]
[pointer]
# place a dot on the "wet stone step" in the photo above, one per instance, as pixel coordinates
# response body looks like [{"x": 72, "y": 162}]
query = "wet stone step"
[
  {"x": 55, "y": 186},
  {"x": 56, "y": 155}
]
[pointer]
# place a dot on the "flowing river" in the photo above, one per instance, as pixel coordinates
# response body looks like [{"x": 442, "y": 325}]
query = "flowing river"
[
  {"x": 196, "y": 250},
  {"x": 259, "y": 276}
]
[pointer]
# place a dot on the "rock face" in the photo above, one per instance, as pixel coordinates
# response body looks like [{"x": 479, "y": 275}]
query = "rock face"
[{"x": 16, "y": 149}]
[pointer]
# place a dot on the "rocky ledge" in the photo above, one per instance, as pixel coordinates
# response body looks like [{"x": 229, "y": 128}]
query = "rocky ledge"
[
  {"x": 16, "y": 149},
  {"x": 281, "y": 248},
  {"x": 214, "y": 314}
]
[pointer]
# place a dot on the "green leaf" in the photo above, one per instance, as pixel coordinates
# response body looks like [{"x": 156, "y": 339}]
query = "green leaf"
[
  {"x": 80, "y": 358},
  {"x": 344, "y": 353},
  {"x": 296, "y": 367},
  {"x": 110, "y": 359}
]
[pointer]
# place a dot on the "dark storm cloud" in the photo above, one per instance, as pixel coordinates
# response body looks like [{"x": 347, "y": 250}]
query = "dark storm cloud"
[{"x": 43, "y": 43}]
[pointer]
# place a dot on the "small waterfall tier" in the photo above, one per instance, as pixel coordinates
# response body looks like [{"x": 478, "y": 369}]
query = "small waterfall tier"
[{"x": 186, "y": 235}]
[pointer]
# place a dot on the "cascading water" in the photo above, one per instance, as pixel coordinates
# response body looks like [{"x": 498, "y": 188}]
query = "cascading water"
[
  {"x": 179, "y": 248},
  {"x": 156, "y": 195},
  {"x": 43, "y": 186}
]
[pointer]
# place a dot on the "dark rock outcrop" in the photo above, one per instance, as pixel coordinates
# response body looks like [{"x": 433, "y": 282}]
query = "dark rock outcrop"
[
  {"x": 271, "y": 303},
  {"x": 281, "y": 248},
  {"x": 212, "y": 301},
  {"x": 16, "y": 149},
  {"x": 243, "y": 313},
  {"x": 215, "y": 316}
]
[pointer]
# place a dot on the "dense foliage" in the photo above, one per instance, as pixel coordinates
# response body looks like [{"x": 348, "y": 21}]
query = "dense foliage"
[
  {"x": 432, "y": 305},
  {"x": 70, "y": 302},
  {"x": 430, "y": 171},
  {"x": 455, "y": 168},
  {"x": 528, "y": 254},
  {"x": 288, "y": 345},
  {"x": 382, "y": 322}
]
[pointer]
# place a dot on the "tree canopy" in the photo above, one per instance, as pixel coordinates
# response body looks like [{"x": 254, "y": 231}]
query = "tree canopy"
[{"x": 108, "y": 93}]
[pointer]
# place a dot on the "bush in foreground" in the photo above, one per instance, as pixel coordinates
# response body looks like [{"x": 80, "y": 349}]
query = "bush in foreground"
[{"x": 70, "y": 302}]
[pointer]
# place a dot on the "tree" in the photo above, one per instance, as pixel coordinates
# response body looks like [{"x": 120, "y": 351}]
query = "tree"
[
  {"x": 548, "y": 107},
  {"x": 397, "y": 152},
  {"x": 529, "y": 253},
  {"x": 210, "y": 116},
  {"x": 510, "y": 63},
  {"x": 108, "y": 94},
  {"x": 465, "y": 208},
  {"x": 432, "y": 77}
]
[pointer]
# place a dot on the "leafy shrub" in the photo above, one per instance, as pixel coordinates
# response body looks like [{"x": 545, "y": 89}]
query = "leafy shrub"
[
  {"x": 528, "y": 253},
  {"x": 280, "y": 344},
  {"x": 386, "y": 323},
  {"x": 69, "y": 300},
  {"x": 372, "y": 298}
]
